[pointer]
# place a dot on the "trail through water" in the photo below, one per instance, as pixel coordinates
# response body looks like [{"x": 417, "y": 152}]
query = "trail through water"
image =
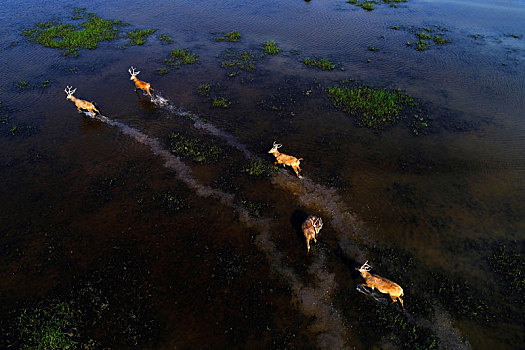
[{"x": 314, "y": 300}]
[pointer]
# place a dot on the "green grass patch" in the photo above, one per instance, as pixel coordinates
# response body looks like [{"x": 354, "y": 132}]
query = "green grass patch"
[
  {"x": 322, "y": 63},
  {"x": 369, "y": 4},
  {"x": 270, "y": 48},
  {"x": 374, "y": 108},
  {"x": 426, "y": 36},
  {"x": 162, "y": 71},
  {"x": 179, "y": 57},
  {"x": 422, "y": 45},
  {"x": 198, "y": 150},
  {"x": 70, "y": 38},
  {"x": 220, "y": 102},
  {"x": 423, "y": 36},
  {"x": 138, "y": 36}
]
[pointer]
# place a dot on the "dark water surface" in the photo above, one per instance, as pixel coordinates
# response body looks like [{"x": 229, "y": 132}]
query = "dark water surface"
[{"x": 188, "y": 255}]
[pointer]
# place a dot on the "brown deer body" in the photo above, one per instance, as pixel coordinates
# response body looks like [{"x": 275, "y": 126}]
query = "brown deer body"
[
  {"x": 381, "y": 284},
  {"x": 139, "y": 84},
  {"x": 81, "y": 104},
  {"x": 311, "y": 228},
  {"x": 285, "y": 159}
]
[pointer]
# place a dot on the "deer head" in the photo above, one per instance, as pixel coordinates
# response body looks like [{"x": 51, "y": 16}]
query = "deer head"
[
  {"x": 275, "y": 147},
  {"x": 69, "y": 93},
  {"x": 318, "y": 225},
  {"x": 133, "y": 73},
  {"x": 364, "y": 268}
]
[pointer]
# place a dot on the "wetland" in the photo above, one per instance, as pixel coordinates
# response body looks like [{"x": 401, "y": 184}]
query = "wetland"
[{"x": 165, "y": 224}]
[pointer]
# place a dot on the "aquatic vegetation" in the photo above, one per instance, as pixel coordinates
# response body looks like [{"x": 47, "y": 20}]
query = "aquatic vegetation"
[
  {"x": 199, "y": 150},
  {"x": 203, "y": 89},
  {"x": 254, "y": 208},
  {"x": 515, "y": 36},
  {"x": 162, "y": 71},
  {"x": 372, "y": 48},
  {"x": 230, "y": 36},
  {"x": 179, "y": 57},
  {"x": 45, "y": 83},
  {"x": 79, "y": 13},
  {"x": 258, "y": 168},
  {"x": 421, "y": 45},
  {"x": 511, "y": 265},
  {"x": 270, "y": 48},
  {"x": 172, "y": 201},
  {"x": 221, "y": 102},
  {"x": 138, "y": 36},
  {"x": 236, "y": 61},
  {"x": 322, "y": 63},
  {"x": 165, "y": 38},
  {"x": 419, "y": 124},
  {"x": 375, "y": 108},
  {"x": 369, "y": 4},
  {"x": 14, "y": 129},
  {"x": 71, "y": 38},
  {"x": 49, "y": 325},
  {"x": 22, "y": 85},
  {"x": 425, "y": 36}
]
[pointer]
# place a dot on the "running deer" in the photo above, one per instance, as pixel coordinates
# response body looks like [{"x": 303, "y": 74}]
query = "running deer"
[
  {"x": 381, "y": 284},
  {"x": 139, "y": 84},
  {"x": 311, "y": 228},
  {"x": 285, "y": 159},
  {"x": 81, "y": 104}
]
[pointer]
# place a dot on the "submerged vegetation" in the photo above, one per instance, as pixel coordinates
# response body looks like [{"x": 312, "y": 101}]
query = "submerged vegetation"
[
  {"x": 237, "y": 61},
  {"x": 198, "y": 150},
  {"x": 374, "y": 108},
  {"x": 258, "y": 168},
  {"x": 510, "y": 264},
  {"x": 165, "y": 38},
  {"x": 322, "y": 63},
  {"x": 203, "y": 89},
  {"x": 138, "y": 36}
]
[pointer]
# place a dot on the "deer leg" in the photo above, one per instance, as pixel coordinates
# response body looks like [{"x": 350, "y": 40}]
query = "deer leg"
[
  {"x": 295, "y": 169},
  {"x": 308, "y": 245}
]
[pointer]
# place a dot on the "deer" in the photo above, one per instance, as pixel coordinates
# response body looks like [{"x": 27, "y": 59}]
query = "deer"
[
  {"x": 81, "y": 104},
  {"x": 139, "y": 84},
  {"x": 311, "y": 228},
  {"x": 381, "y": 284},
  {"x": 285, "y": 159}
]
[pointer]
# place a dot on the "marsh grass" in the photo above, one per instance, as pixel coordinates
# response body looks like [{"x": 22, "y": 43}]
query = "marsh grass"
[
  {"x": 23, "y": 85},
  {"x": 322, "y": 63},
  {"x": 138, "y": 36},
  {"x": 71, "y": 38},
  {"x": 375, "y": 108},
  {"x": 270, "y": 48},
  {"x": 162, "y": 71}
]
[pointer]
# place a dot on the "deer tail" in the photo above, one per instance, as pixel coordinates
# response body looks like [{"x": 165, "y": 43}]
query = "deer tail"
[{"x": 300, "y": 159}]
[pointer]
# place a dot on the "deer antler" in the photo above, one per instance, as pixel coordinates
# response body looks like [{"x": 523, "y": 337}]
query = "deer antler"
[
  {"x": 277, "y": 145},
  {"x": 366, "y": 267},
  {"x": 68, "y": 91},
  {"x": 133, "y": 73}
]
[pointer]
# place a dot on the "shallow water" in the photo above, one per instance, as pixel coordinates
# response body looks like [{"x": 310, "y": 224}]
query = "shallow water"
[{"x": 84, "y": 197}]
